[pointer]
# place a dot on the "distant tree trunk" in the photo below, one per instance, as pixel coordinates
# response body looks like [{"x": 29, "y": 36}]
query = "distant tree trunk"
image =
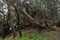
[
  {"x": 18, "y": 19},
  {"x": 11, "y": 24}
]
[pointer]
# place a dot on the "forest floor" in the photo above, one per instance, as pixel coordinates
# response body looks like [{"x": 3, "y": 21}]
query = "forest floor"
[
  {"x": 35, "y": 34},
  {"x": 58, "y": 32}
]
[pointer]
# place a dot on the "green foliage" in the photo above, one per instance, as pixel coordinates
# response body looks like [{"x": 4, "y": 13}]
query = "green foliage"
[
  {"x": 1, "y": 38},
  {"x": 54, "y": 28}
]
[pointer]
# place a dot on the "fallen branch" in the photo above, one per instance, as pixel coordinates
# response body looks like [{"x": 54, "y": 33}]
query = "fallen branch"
[{"x": 31, "y": 19}]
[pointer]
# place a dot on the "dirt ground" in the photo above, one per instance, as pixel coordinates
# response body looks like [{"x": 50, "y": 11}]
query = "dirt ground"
[{"x": 58, "y": 32}]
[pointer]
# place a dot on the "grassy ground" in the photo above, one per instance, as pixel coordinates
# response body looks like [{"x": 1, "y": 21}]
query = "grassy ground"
[
  {"x": 34, "y": 35},
  {"x": 28, "y": 36}
]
